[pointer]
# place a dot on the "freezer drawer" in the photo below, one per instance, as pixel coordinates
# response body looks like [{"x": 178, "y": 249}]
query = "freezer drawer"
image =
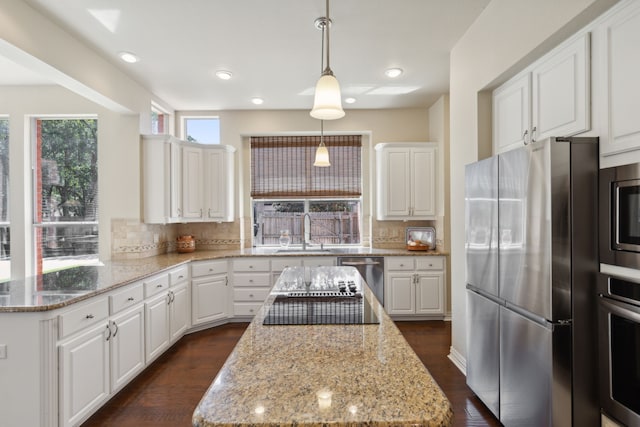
[{"x": 483, "y": 349}]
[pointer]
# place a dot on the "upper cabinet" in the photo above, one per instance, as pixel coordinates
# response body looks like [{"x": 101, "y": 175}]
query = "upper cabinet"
[
  {"x": 161, "y": 179},
  {"x": 406, "y": 181},
  {"x": 616, "y": 84},
  {"x": 185, "y": 182},
  {"x": 550, "y": 98}
]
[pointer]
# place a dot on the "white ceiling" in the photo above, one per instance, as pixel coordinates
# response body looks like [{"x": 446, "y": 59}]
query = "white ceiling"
[{"x": 273, "y": 48}]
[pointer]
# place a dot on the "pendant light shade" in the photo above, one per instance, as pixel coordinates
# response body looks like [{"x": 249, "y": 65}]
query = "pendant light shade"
[
  {"x": 327, "y": 103},
  {"x": 322, "y": 156},
  {"x": 322, "y": 153}
]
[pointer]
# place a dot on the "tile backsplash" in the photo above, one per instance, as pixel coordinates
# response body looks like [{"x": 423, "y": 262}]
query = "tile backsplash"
[{"x": 131, "y": 238}]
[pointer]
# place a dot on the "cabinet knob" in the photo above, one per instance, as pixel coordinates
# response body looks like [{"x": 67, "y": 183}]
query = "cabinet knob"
[
  {"x": 251, "y": 310},
  {"x": 89, "y": 316},
  {"x": 250, "y": 295},
  {"x": 130, "y": 299},
  {"x": 251, "y": 266},
  {"x": 250, "y": 280},
  {"x": 430, "y": 265},
  {"x": 211, "y": 269},
  {"x": 159, "y": 286},
  {"x": 181, "y": 277},
  {"x": 401, "y": 265}
]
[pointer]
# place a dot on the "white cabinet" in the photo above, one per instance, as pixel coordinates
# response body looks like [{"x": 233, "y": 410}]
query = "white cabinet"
[
  {"x": 166, "y": 310},
  {"x": 414, "y": 286},
  {"x": 550, "y": 98},
  {"x": 161, "y": 179},
  {"x": 84, "y": 374},
  {"x": 251, "y": 286},
  {"x": 406, "y": 181},
  {"x": 184, "y": 181},
  {"x": 207, "y": 177},
  {"x": 616, "y": 84},
  {"x": 209, "y": 292},
  {"x": 512, "y": 113},
  {"x": 127, "y": 346}
]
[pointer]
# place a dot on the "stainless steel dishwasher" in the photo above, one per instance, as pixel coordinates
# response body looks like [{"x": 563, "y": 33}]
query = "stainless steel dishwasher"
[{"x": 371, "y": 269}]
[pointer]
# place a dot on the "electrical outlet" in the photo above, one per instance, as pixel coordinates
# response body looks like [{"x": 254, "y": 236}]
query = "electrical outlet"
[{"x": 3, "y": 351}]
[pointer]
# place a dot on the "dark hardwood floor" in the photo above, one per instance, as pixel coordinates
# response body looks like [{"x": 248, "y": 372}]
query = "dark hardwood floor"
[{"x": 167, "y": 392}]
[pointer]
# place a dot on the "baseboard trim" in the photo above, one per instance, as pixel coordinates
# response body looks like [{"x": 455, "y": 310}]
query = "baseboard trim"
[{"x": 458, "y": 360}]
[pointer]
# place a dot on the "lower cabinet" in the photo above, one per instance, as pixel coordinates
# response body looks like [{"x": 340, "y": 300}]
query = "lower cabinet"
[
  {"x": 209, "y": 292},
  {"x": 127, "y": 346},
  {"x": 414, "y": 286},
  {"x": 83, "y": 374},
  {"x": 157, "y": 326}
]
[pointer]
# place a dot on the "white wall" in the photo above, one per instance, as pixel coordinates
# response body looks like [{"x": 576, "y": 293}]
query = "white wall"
[{"x": 508, "y": 35}]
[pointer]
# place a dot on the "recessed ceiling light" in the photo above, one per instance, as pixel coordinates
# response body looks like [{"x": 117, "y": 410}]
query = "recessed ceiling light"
[
  {"x": 257, "y": 101},
  {"x": 393, "y": 72},
  {"x": 349, "y": 100},
  {"x": 129, "y": 57},
  {"x": 224, "y": 74}
]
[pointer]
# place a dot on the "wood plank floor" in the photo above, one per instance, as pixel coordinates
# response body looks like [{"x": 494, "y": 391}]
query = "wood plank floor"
[{"x": 167, "y": 392}]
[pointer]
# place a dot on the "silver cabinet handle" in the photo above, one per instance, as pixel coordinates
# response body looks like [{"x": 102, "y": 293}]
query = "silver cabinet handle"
[
  {"x": 89, "y": 316},
  {"x": 524, "y": 137},
  {"x": 108, "y": 329},
  {"x": 116, "y": 331},
  {"x": 533, "y": 134},
  {"x": 131, "y": 299},
  {"x": 159, "y": 286}
]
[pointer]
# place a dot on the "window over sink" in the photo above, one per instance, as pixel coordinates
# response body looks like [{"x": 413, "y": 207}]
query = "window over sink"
[{"x": 286, "y": 189}]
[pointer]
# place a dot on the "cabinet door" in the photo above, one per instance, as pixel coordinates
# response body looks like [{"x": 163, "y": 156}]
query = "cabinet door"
[
  {"x": 214, "y": 184},
  {"x": 192, "y": 179},
  {"x": 429, "y": 293},
  {"x": 156, "y": 326},
  {"x": 210, "y": 299},
  {"x": 175, "y": 181},
  {"x": 401, "y": 296},
  {"x": 561, "y": 98},
  {"x": 127, "y": 346},
  {"x": 619, "y": 67},
  {"x": 179, "y": 311},
  {"x": 511, "y": 114},
  {"x": 423, "y": 182},
  {"x": 84, "y": 374},
  {"x": 395, "y": 185}
]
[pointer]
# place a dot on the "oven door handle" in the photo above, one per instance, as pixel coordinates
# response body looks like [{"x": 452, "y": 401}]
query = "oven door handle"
[{"x": 621, "y": 309}]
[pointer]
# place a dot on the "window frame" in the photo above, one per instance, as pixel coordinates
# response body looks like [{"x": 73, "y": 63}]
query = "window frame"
[{"x": 184, "y": 128}]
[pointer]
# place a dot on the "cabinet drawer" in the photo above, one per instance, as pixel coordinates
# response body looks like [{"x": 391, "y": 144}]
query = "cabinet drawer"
[
  {"x": 430, "y": 263},
  {"x": 126, "y": 298},
  {"x": 155, "y": 285},
  {"x": 207, "y": 268},
  {"x": 179, "y": 275},
  {"x": 257, "y": 295},
  {"x": 399, "y": 263},
  {"x": 87, "y": 314},
  {"x": 246, "y": 309},
  {"x": 248, "y": 279},
  {"x": 280, "y": 264},
  {"x": 251, "y": 264},
  {"x": 320, "y": 261}
]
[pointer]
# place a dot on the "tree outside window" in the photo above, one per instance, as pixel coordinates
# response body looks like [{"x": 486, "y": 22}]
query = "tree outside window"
[{"x": 66, "y": 193}]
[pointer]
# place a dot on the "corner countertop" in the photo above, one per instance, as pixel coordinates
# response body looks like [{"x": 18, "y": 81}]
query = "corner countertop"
[
  {"x": 318, "y": 375},
  {"x": 59, "y": 289}
]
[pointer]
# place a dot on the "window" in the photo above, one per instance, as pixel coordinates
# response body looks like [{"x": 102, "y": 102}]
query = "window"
[
  {"x": 159, "y": 121},
  {"x": 5, "y": 241},
  {"x": 205, "y": 130},
  {"x": 285, "y": 187},
  {"x": 65, "y": 193}
]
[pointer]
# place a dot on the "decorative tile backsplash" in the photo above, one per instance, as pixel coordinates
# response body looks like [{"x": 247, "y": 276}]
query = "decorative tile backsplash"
[{"x": 132, "y": 239}]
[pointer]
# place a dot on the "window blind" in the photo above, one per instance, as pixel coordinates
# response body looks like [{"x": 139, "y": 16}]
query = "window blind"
[{"x": 282, "y": 167}]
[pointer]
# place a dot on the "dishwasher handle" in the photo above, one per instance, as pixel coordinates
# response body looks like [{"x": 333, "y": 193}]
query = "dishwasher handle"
[{"x": 354, "y": 263}]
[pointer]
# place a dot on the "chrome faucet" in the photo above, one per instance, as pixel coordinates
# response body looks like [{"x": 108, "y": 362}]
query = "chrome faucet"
[{"x": 304, "y": 230}]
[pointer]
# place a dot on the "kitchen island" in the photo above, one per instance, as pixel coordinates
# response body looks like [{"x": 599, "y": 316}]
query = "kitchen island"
[{"x": 323, "y": 374}]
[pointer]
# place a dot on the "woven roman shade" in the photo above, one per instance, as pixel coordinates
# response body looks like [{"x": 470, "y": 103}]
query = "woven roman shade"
[{"x": 282, "y": 167}]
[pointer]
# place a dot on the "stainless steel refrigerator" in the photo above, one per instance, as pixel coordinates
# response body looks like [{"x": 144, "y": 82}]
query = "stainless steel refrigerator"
[{"x": 532, "y": 260}]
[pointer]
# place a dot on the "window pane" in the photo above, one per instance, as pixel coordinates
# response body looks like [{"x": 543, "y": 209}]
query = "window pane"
[
  {"x": 5, "y": 246},
  {"x": 333, "y": 222},
  {"x": 202, "y": 130},
  {"x": 66, "y": 191}
]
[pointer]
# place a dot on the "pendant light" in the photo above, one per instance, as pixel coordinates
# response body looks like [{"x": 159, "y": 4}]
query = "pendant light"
[
  {"x": 322, "y": 154},
  {"x": 327, "y": 103}
]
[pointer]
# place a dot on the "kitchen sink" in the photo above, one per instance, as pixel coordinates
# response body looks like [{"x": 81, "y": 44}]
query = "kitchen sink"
[{"x": 313, "y": 251}]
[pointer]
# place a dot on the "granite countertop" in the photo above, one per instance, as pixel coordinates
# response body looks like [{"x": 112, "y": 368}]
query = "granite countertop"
[
  {"x": 59, "y": 289},
  {"x": 315, "y": 375}
]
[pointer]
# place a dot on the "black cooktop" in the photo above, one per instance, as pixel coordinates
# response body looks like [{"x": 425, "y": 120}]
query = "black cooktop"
[{"x": 347, "y": 309}]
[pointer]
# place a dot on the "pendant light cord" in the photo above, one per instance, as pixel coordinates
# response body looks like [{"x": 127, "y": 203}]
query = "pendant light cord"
[{"x": 328, "y": 24}]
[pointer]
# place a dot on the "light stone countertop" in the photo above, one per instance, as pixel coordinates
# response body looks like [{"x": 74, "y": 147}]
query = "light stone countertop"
[
  {"x": 59, "y": 289},
  {"x": 319, "y": 375}
]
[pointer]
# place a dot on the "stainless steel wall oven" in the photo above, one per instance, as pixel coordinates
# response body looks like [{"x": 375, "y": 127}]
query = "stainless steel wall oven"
[
  {"x": 620, "y": 216},
  {"x": 619, "y": 348}
]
